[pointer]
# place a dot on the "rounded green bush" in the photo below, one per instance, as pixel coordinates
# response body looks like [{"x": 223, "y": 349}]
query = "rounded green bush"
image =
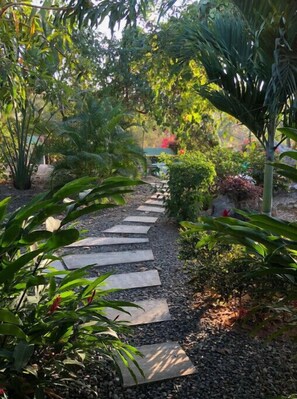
[{"x": 190, "y": 178}]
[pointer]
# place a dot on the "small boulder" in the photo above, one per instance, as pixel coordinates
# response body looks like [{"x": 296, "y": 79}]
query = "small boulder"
[{"x": 222, "y": 206}]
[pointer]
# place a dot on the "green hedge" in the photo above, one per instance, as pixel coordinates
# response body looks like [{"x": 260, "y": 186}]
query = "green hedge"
[{"x": 190, "y": 177}]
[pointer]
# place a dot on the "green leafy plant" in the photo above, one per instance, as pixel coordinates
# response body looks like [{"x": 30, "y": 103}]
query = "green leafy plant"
[
  {"x": 227, "y": 162},
  {"x": 272, "y": 243},
  {"x": 94, "y": 141},
  {"x": 190, "y": 176},
  {"x": 224, "y": 269},
  {"x": 51, "y": 320},
  {"x": 254, "y": 157}
]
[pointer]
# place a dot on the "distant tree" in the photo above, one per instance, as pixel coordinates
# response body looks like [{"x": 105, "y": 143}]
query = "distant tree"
[{"x": 248, "y": 51}]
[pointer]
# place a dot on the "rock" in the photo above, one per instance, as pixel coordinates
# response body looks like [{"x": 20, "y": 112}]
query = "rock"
[{"x": 222, "y": 204}]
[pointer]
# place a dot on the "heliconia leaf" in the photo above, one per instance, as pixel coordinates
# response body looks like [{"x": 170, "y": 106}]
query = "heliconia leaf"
[
  {"x": 73, "y": 215},
  {"x": 3, "y": 206},
  {"x": 61, "y": 238},
  {"x": 94, "y": 284},
  {"x": 8, "y": 317},
  {"x": 22, "y": 354},
  {"x": 13, "y": 330},
  {"x": 10, "y": 235},
  {"x": 74, "y": 187},
  {"x": 35, "y": 236},
  {"x": 14, "y": 266}
]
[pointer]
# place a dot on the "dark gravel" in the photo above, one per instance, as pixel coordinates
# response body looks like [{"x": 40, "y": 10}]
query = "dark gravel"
[{"x": 230, "y": 363}]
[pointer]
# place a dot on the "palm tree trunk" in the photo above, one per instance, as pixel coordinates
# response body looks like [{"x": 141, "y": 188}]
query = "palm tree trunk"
[{"x": 268, "y": 170}]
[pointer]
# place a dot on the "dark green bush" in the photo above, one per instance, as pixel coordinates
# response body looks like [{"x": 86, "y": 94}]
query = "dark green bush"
[
  {"x": 219, "y": 268},
  {"x": 226, "y": 269},
  {"x": 227, "y": 162},
  {"x": 190, "y": 178}
]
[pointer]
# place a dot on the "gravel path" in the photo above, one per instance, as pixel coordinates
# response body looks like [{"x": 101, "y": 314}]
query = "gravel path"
[{"x": 230, "y": 363}]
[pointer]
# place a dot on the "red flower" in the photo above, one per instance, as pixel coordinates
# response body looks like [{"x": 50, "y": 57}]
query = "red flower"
[
  {"x": 168, "y": 142},
  {"x": 226, "y": 212},
  {"x": 55, "y": 304},
  {"x": 91, "y": 297},
  {"x": 2, "y": 391},
  {"x": 181, "y": 152}
]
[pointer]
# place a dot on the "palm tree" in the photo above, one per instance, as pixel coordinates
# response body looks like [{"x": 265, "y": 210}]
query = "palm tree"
[{"x": 249, "y": 53}]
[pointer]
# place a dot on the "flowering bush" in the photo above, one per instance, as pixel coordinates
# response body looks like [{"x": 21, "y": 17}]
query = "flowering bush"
[{"x": 50, "y": 320}]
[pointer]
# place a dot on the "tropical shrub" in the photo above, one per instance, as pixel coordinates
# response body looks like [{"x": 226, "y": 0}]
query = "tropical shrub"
[
  {"x": 22, "y": 137},
  {"x": 254, "y": 159},
  {"x": 190, "y": 177},
  {"x": 227, "y": 162},
  {"x": 223, "y": 269},
  {"x": 51, "y": 320},
  {"x": 94, "y": 141}
]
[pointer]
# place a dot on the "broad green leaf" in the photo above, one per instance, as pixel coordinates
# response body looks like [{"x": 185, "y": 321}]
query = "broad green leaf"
[
  {"x": 13, "y": 267},
  {"x": 291, "y": 154},
  {"x": 8, "y": 317},
  {"x": 289, "y": 132},
  {"x": 3, "y": 206},
  {"x": 13, "y": 330},
  {"x": 35, "y": 236},
  {"x": 75, "y": 214},
  {"x": 11, "y": 235},
  {"x": 6, "y": 354},
  {"x": 61, "y": 238},
  {"x": 22, "y": 354},
  {"x": 94, "y": 284},
  {"x": 74, "y": 187}
]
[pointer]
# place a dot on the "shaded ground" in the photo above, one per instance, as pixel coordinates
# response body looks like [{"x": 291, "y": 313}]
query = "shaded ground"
[{"x": 230, "y": 363}]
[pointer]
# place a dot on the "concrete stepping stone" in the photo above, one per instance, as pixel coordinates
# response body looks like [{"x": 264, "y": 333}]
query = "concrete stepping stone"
[
  {"x": 154, "y": 202},
  {"x": 105, "y": 258},
  {"x": 157, "y": 209},
  {"x": 125, "y": 281},
  {"x": 160, "y": 362},
  {"x": 98, "y": 241},
  {"x": 128, "y": 229},
  {"x": 159, "y": 196},
  {"x": 153, "y": 311},
  {"x": 141, "y": 219}
]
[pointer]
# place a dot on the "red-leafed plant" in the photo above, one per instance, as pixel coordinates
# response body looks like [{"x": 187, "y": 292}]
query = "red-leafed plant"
[{"x": 239, "y": 189}]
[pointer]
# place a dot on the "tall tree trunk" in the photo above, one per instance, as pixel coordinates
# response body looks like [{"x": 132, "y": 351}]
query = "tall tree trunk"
[{"x": 268, "y": 170}]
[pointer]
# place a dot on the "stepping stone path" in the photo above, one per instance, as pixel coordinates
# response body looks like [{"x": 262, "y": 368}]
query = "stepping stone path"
[
  {"x": 154, "y": 202},
  {"x": 128, "y": 229},
  {"x": 141, "y": 219},
  {"x": 106, "y": 258},
  {"x": 157, "y": 209},
  {"x": 98, "y": 241},
  {"x": 150, "y": 311},
  {"x": 127, "y": 281},
  {"x": 160, "y": 361}
]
